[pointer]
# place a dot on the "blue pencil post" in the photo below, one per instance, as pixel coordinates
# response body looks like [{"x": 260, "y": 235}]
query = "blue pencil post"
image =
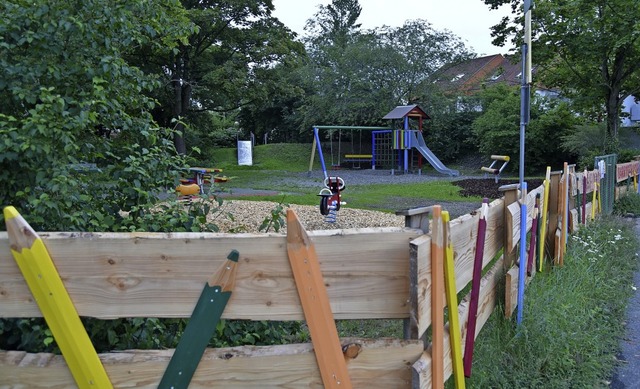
[{"x": 523, "y": 252}]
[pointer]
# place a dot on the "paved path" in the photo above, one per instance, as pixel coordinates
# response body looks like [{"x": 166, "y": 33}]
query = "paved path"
[{"x": 628, "y": 375}]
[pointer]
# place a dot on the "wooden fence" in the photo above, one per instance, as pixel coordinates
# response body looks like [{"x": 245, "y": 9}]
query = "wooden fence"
[{"x": 376, "y": 273}]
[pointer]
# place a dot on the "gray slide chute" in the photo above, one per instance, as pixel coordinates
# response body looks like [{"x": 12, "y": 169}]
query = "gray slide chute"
[{"x": 417, "y": 141}]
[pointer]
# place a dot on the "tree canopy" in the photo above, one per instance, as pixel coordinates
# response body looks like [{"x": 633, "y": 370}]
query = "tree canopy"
[
  {"x": 66, "y": 88},
  {"x": 590, "y": 50}
]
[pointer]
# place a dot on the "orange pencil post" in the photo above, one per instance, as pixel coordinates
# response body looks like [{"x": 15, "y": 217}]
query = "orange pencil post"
[
  {"x": 315, "y": 305},
  {"x": 437, "y": 299}
]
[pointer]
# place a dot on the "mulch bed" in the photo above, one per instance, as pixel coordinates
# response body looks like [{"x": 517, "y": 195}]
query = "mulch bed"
[{"x": 487, "y": 187}]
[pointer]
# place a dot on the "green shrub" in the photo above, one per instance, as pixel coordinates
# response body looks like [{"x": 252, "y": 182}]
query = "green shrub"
[{"x": 628, "y": 205}]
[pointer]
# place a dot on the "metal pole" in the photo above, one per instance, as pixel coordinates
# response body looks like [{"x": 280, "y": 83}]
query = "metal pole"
[{"x": 525, "y": 109}]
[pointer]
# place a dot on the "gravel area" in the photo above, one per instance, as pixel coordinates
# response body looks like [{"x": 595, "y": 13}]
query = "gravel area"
[{"x": 248, "y": 215}]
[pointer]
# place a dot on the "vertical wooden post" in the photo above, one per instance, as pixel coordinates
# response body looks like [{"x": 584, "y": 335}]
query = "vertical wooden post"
[
  {"x": 414, "y": 218},
  {"x": 510, "y": 197},
  {"x": 554, "y": 194},
  {"x": 437, "y": 301}
]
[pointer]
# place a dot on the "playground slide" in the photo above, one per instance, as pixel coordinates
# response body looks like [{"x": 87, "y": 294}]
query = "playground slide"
[{"x": 419, "y": 143}]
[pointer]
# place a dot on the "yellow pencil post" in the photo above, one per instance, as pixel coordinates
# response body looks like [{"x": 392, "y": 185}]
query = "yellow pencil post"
[
  {"x": 594, "y": 204},
  {"x": 543, "y": 228},
  {"x": 599, "y": 200},
  {"x": 455, "y": 336},
  {"x": 47, "y": 288}
]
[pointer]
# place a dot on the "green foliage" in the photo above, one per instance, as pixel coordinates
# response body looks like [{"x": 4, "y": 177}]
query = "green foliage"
[
  {"x": 231, "y": 333},
  {"x": 355, "y": 77},
  {"x": 497, "y": 130},
  {"x": 589, "y": 50},
  {"x": 228, "y": 62},
  {"x": 628, "y": 205},
  {"x": 276, "y": 218},
  {"x": 572, "y": 320}
]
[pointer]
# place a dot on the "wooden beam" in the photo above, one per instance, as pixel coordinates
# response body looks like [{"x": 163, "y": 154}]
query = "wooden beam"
[
  {"x": 315, "y": 304},
  {"x": 437, "y": 299},
  {"x": 489, "y": 287},
  {"x": 510, "y": 197},
  {"x": 382, "y": 363},
  {"x": 111, "y": 275}
]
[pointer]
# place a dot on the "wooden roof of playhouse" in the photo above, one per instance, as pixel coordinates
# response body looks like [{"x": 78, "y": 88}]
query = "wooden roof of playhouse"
[{"x": 402, "y": 111}]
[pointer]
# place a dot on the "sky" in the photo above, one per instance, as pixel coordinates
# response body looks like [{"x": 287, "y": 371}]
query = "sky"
[{"x": 468, "y": 19}]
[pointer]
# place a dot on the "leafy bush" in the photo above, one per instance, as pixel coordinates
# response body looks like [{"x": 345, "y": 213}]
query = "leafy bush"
[
  {"x": 628, "y": 205},
  {"x": 497, "y": 129}
]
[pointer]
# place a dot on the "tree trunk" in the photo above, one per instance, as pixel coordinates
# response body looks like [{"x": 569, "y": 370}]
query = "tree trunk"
[
  {"x": 178, "y": 135},
  {"x": 612, "y": 143}
]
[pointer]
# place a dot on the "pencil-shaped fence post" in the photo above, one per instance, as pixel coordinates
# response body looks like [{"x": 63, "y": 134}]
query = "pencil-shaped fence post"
[
  {"x": 534, "y": 232},
  {"x": 584, "y": 197},
  {"x": 594, "y": 203},
  {"x": 202, "y": 325},
  {"x": 475, "y": 288},
  {"x": 437, "y": 299},
  {"x": 54, "y": 301},
  {"x": 315, "y": 305},
  {"x": 545, "y": 212},
  {"x": 455, "y": 336}
]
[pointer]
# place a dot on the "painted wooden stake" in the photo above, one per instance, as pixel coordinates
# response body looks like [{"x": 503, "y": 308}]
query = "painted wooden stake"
[
  {"x": 201, "y": 326},
  {"x": 594, "y": 204},
  {"x": 437, "y": 299},
  {"x": 58, "y": 310},
  {"x": 475, "y": 288},
  {"x": 315, "y": 304},
  {"x": 578, "y": 199},
  {"x": 565, "y": 213},
  {"x": 455, "y": 335},
  {"x": 545, "y": 212},
  {"x": 584, "y": 198},
  {"x": 534, "y": 232}
]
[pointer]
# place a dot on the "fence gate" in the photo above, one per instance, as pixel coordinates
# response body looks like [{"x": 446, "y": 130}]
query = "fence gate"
[{"x": 608, "y": 183}]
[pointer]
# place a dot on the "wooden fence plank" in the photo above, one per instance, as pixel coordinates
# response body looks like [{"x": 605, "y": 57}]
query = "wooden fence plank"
[
  {"x": 489, "y": 287},
  {"x": 381, "y": 363},
  {"x": 513, "y": 217},
  {"x": 511, "y": 289},
  {"x": 421, "y": 256},
  {"x": 111, "y": 275}
]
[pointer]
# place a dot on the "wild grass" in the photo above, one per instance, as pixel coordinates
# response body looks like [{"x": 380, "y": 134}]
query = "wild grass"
[{"x": 573, "y": 317}]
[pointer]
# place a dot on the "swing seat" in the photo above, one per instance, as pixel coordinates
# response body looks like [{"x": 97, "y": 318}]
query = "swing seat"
[{"x": 357, "y": 159}]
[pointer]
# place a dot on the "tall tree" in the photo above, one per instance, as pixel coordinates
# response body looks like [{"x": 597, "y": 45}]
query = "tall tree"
[
  {"x": 335, "y": 23},
  {"x": 226, "y": 62},
  {"x": 358, "y": 83},
  {"x": 589, "y": 49},
  {"x": 65, "y": 84}
]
